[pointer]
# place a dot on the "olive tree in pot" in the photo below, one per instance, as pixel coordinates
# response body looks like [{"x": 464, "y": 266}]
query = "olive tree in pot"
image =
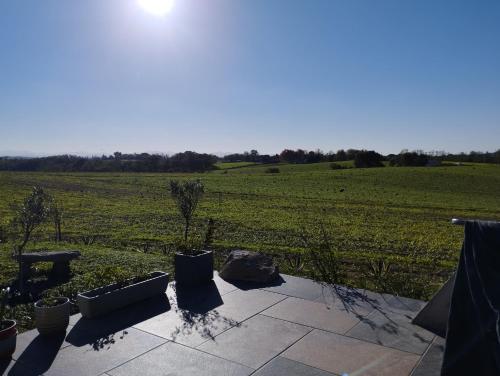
[
  {"x": 8, "y": 330},
  {"x": 192, "y": 266},
  {"x": 52, "y": 315},
  {"x": 29, "y": 215}
]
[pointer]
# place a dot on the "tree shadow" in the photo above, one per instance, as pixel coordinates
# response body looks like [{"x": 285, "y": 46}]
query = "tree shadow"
[
  {"x": 352, "y": 300},
  {"x": 101, "y": 332},
  {"x": 196, "y": 307},
  {"x": 38, "y": 356}
]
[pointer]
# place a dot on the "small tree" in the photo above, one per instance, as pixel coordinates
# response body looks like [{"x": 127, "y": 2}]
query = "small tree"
[
  {"x": 56, "y": 211},
  {"x": 29, "y": 215},
  {"x": 187, "y": 195}
]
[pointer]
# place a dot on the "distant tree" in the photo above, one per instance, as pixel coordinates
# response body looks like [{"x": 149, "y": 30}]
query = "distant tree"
[
  {"x": 28, "y": 216},
  {"x": 365, "y": 159},
  {"x": 414, "y": 159},
  {"x": 287, "y": 155},
  {"x": 301, "y": 156},
  {"x": 186, "y": 195},
  {"x": 351, "y": 154},
  {"x": 341, "y": 155}
]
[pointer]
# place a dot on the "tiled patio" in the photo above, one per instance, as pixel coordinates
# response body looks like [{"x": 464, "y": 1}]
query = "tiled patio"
[{"x": 292, "y": 328}]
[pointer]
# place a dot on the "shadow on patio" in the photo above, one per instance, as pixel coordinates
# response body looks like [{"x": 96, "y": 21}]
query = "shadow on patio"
[{"x": 100, "y": 332}]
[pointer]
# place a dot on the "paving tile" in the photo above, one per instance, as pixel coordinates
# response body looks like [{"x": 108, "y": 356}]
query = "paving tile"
[
  {"x": 358, "y": 301},
  {"x": 90, "y": 331},
  {"x": 224, "y": 287},
  {"x": 106, "y": 353},
  {"x": 32, "y": 346},
  {"x": 256, "y": 341},
  {"x": 73, "y": 319},
  {"x": 392, "y": 330},
  {"x": 298, "y": 287},
  {"x": 198, "y": 318},
  {"x": 430, "y": 365},
  {"x": 285, "y": 367},
  {"x": 240, "y": 305},
  {"x": 174, "y": 359},
  {"x": 398, "y": 304},
  {"x": 35, "y": 353},
  {"x": 317, "y": 315},
  {"x": 186, "y": 327},
  {"x": 339, "y": 354}
]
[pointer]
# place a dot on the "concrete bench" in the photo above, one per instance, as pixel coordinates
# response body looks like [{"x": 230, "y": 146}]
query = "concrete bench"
[{"x": 60, "y": 260}]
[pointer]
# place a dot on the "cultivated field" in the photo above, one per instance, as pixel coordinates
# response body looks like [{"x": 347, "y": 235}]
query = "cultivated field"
[{"x": 399, "y": 214}]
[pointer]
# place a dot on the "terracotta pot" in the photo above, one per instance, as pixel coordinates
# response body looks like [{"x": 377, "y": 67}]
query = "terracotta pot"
[
  {"x": 8, "y": 338},
  {"x": 52, "y": 320}
]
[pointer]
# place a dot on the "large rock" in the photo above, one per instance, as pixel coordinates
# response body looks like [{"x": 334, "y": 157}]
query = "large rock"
[{"x": 249, "y": 266}]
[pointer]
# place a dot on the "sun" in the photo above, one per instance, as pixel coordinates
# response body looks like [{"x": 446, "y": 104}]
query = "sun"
[{"x": 157, "y": 7}]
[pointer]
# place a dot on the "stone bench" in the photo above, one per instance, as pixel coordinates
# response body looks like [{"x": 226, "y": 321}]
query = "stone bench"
[{"x": 60, "y": 260}]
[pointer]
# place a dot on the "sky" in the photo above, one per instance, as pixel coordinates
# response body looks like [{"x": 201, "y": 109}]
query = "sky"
[{"x": 98, "y": 76}]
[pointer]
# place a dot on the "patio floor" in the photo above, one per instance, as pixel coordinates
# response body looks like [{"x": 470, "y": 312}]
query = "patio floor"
[{"x": 292, "y": 328}]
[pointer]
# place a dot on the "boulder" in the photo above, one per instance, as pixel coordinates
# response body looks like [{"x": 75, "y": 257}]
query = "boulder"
[{"x": 249, "y": 266}]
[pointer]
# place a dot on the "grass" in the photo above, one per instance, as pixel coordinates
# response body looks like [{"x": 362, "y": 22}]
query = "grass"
[{"x": 400, "y": 215}]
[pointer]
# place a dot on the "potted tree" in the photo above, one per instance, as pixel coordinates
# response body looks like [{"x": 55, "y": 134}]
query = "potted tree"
[
  {"x": 8, "y": 330},
  {"x": 29, "y": 215},
  {"x": 52, "y": 315},
  {"x": 192, "y": 265}
]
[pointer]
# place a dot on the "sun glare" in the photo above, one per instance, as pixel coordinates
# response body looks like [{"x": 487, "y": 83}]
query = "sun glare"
[{"x": 157, "y": 7}]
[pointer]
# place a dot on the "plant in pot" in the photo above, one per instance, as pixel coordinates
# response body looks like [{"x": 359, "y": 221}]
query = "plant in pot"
[
  {"x": 29, "y": 215},
  {"x": 113, "y": 288},
  {"x": 52, "y": 315},
  {"x": 193, "y": 266},
  {"x": 8, "y": 330}
]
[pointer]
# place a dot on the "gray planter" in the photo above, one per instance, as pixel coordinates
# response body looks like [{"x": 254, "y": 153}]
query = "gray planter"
[
  {"x": 8, "y": 339},
  {"x": 109, "y": 298},
  {"x": 192, "y": 270},
  {"x": 52, "y": 320}
]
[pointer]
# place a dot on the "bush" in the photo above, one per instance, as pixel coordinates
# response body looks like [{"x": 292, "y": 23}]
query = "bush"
[
  {"x": 336, "y": 166},
  {"x": 323, "y": 257},
  {"x": 272, "y": 170}
]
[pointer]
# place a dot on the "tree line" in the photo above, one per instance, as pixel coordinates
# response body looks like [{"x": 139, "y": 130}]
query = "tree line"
[
  {"x": 181, "y": 162},
  {"x": 190, "y": 161}
]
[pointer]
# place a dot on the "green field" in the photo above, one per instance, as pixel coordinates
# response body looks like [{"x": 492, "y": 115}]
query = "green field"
[
  {"x": 231, "y": 165},
  {"x": 388, "y": 213}
]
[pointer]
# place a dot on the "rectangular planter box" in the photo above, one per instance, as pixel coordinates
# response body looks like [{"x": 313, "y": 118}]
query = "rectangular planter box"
[
  {"x": 192, "y": 270},
  {"x": 109, "y": 298}
]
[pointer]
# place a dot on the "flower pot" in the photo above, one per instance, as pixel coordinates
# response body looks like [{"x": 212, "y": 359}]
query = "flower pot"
[
  {"x": 105, "y": 299},
  {"x": 8, "y": 338},
  {"x": 192, "y": 270},
  {"x": 52, "y": 320}
]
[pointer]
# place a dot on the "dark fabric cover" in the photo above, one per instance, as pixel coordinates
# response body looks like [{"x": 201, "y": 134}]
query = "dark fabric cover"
[{"x": 473, "y": 337}]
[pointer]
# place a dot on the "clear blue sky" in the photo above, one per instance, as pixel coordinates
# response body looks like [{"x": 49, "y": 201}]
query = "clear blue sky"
[{"x": 231, "y": 75}]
